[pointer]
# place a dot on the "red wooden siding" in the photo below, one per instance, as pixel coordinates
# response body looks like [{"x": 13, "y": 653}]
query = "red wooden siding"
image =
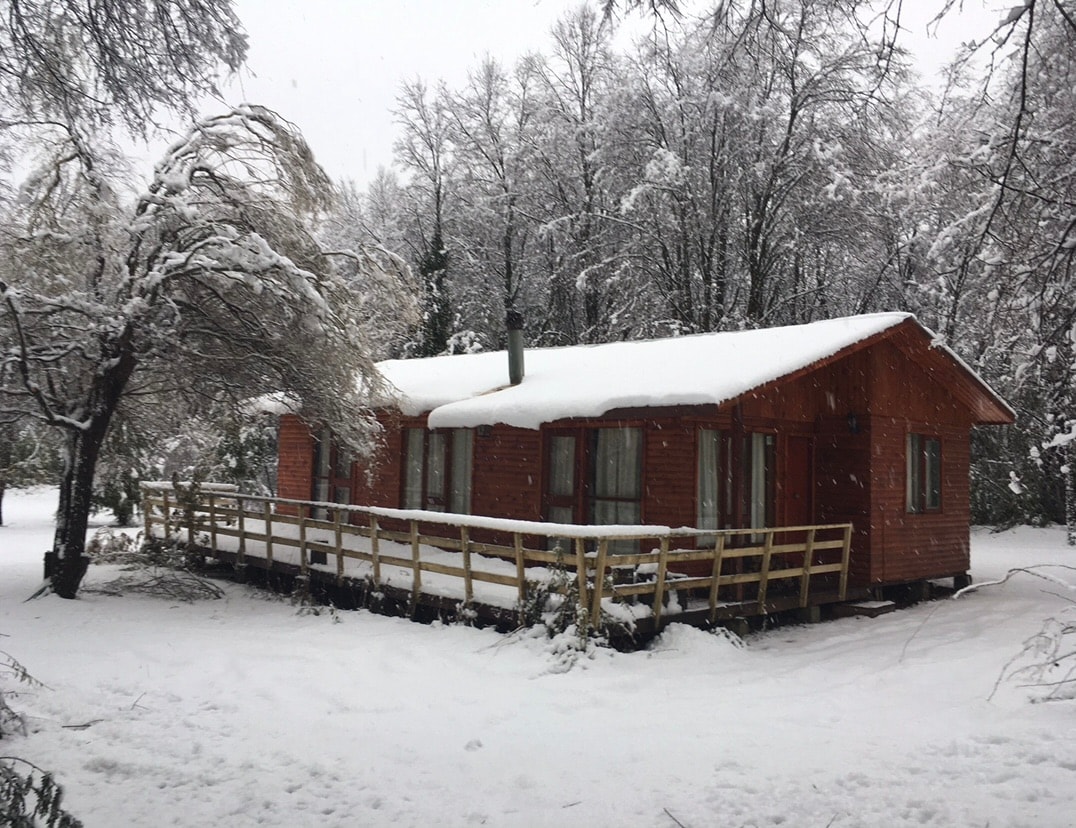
[
  {"x": 669, "y": 460},
  {"x": 377, "y": 479},
  {"x": 295, "y": 469},
  {"x": 507, "y": 478}
]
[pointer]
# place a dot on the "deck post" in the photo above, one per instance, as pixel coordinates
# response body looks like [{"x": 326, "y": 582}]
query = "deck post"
[
  {"x": 188, "y": 515},
  {"x": 808, "y": 562},
  {"x": 147, "y": 516},
  {"x": 581, "y": 573},
  {"x": 375, "y": 557},
  {"x": 267, "y": 517},
  {"x": 846, "y": 553},
  {"x": 212, "y": 520},
  {"x": 338, "y": 538},
  {"x": 167, "y": 514},
  {"x": 465, "y": 548},
  {"x": 521, "y": 579},
  {"x": 303, "y": 563},
  {"x": 416, "y": 568},
  {"x": 659, "y": 586},
  {"x": 599, "y": 584},
  {"x": 240, "y": 509},
  {"x": 764, "y": 571},
  {"x": 715, "y": 584}
]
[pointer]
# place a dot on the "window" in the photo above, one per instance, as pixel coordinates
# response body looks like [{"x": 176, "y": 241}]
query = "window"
[
  {"x": 594, "y": 476},
  {"x": 758, "y": 458},
  {"x": 717, "y": 505},
  {"x": 617, "y": 479},
  {"x": 332, "y": 474},
  {"x": 459, "y": 491},
  {"x": 709, "y": 486},
  {"x": 923, "y": 473},
  {"x": 437, "y": 470},
  {"x": 560, "y": 489}
]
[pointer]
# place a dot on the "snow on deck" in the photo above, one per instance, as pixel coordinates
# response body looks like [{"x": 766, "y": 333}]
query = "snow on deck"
[{"x": 588, "y": 380}]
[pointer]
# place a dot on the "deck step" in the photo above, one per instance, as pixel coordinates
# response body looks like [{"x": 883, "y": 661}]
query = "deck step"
[{"x": 867, "y": 609}]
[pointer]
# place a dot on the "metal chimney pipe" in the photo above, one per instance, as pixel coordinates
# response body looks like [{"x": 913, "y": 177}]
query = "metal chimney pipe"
[{"x": 514, "y": 324}]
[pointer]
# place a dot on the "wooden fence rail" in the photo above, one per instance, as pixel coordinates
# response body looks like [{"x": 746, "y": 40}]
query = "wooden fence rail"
[{"x": 693, "y": 568}]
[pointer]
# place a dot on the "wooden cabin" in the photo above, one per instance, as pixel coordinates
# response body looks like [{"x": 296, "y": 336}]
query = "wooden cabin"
[{"x": 864, "y": 419}]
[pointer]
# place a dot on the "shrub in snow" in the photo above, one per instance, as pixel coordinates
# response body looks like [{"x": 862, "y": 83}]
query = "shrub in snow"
[
  {"x": 157, "y": 567},
  {"x": 108, "y": 546},
  {"x": 553, "y": 608},
  {"x": 29, "y": 796},
  {"x": 1046, "y": 663}
]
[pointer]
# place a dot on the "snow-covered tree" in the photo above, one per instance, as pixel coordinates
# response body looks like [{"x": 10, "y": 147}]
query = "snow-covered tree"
[
  {"x": 29, "y": 456},
  {"x": 425, "y": 151},
  {"x": 96, "y": 64},
  {"x": 496, "y": 264},
  {"x": 213, "y": 285},
  {"x": 575, "y": 171}
]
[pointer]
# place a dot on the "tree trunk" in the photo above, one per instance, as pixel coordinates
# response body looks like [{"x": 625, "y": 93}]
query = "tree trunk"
[
  {"x": 68, "y": 557},
  {"x": 1070, "y": 492},
  {"x": 68, "y": 561},
  {"x": 7, "y": 437}
]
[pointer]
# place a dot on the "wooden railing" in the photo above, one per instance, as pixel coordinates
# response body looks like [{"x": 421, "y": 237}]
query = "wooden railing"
[{"x": 714, "y": 569}]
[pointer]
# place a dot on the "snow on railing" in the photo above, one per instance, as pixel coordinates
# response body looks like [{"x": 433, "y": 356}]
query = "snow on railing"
[{"x": 498, "y": 562}]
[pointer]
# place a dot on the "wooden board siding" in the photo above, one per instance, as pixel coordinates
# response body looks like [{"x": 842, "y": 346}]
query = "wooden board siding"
[
  {"x": 907, "y": 399},
  {"x": 295, "y": 469},
  {"x": 902, "y": 388},
  {"x": 913, "y": 546},
  {"x": 377, "y": 480},
  {"x": 843, "y": 487},
  {"x": 670, "y": 462},
  {"x": 834, "y": 390},
  {"x": 507, "y": 477}
]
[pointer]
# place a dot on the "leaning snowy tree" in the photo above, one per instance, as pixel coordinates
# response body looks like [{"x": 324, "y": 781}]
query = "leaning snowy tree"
[{"x": 213, "y": 284}]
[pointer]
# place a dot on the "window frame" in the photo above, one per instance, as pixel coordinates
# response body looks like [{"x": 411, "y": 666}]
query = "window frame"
[
  {"x": 333, "y": 474},
  {"x": 570, "y": 501},
  {"x": 923, "y": 464},
  {"x": 748, "y": 512},
  {"x": 594, "y": 500},
  {"x": 444, "y": 445},
  {"x": 583, "y": 499}
]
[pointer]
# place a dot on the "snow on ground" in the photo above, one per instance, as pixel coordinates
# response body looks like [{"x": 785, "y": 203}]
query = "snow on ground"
[{"x": 243, "y": 712}]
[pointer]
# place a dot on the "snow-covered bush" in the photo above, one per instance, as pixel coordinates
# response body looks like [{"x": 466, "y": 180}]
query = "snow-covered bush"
[
  {"x": 553, "y": 609},
  {"x": 157, "y": 567}
]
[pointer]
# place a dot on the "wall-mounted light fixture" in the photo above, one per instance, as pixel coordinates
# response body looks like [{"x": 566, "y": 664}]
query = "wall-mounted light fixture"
[{"x": 853, "y": 423}]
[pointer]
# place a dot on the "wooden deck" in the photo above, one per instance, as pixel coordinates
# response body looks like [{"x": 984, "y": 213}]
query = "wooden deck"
[{"x": 497, "y": 569}]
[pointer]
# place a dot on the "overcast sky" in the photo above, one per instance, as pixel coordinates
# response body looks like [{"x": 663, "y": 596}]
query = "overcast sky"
[{"x": 334, "y": 67}]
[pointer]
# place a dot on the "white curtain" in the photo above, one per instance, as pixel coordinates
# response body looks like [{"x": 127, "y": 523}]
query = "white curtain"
[
  {"x": 435, "y": 471},
  {"x": 562, "y": 466},
  {"x": 460, "y": 498},
  {"x": 709, "y": 473},
  {"x": 414, "y": 440},
  {"x": 617, "y": 475}
]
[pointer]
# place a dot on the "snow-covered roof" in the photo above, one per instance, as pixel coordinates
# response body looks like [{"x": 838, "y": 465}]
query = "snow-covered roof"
[{"x": 589, "y": 380}]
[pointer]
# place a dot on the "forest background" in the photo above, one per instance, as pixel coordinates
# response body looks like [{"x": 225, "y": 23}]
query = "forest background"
[
  {"x": 740, "y": 164},
  {"x": 762, "y": 164}
]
